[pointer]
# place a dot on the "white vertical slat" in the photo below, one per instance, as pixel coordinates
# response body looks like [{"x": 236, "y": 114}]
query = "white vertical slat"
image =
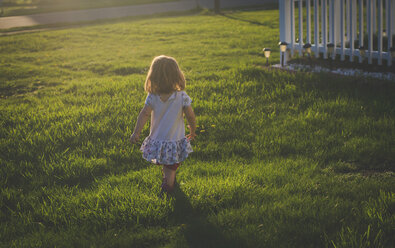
[
  {"x": 360, "y": 3},
  {"x": 285, "y": 25},
  {"x": 332, "y": 28},
  {"x": 390, "y": 25},
  {"x": 380, "y": 31},
  {"x": 316, "y": 29},
  {"x": 300, "y": 27},
  {"x": 374, "y": 23},
  {"x": 324, "y": 28},
  {"x": 347, "y": 20},
  {"x": 330, "y": 15},
  {"x": 308, "y": 22},
  {"x": 344, "y": 12},
  {"x": 342, "y": 31},
  {"x": 370, "y": 29},
  {"x": 351, "y": 31},
  {"x": 292, "y": 9},
  {"x": 393, "y": 16},
  {"x": 354, "y": 17}
]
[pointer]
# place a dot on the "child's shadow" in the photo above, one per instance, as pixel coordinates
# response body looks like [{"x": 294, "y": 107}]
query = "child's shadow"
[{"x": 196, "y": 230}]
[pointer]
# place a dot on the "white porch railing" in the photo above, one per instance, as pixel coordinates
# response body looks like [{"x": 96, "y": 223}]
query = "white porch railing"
[{"x": 340, "y": 22}]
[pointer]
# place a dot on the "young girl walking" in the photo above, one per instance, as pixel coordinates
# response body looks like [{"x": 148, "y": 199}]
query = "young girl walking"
[{"x": 166, "y": 103}]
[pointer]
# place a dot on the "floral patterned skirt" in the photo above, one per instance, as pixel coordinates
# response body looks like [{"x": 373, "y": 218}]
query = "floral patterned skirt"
[{"x": 165, "y": 151}]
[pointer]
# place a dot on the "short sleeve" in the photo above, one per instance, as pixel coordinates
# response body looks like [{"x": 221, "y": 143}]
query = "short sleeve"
[
  {"x": 186, "y": 100},
  {"x": 149, "y": 100}
]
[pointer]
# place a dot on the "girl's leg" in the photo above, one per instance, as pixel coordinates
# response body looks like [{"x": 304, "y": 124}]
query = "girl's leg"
[{"x": 169, "y": 176}]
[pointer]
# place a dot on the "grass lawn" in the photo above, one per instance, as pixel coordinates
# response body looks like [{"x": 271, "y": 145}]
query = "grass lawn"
[
  {"x": 281, "y": 159},
  {"x": 28, "y": 7}
]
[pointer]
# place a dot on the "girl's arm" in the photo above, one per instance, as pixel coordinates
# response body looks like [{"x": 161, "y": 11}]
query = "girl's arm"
[
  {"x": 141, "y": 120},
  {"x": 190, "y": 115}
]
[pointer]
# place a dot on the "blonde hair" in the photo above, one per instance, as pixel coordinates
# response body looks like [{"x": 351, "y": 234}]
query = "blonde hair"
[{"x": 164, "y": 76}]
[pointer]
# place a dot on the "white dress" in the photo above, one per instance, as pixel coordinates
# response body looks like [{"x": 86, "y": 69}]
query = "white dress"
[{"x": 167, "y": 143}]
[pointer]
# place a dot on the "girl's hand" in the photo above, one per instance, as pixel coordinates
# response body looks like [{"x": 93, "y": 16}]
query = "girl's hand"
[
  {"x": 134, "y": 138},
  {"x": 191, "y": 136}
]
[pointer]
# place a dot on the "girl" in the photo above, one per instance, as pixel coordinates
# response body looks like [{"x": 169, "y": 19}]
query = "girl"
[{"x": 166, "y": 102}]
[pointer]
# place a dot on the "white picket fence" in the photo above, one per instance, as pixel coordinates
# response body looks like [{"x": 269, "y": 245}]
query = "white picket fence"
[{"x": 342, "y": 23}]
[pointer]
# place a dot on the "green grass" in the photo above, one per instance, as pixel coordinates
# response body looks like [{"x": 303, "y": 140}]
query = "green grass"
[
  {"x": 281, "y": 159},
  {"x": 29, "y": 7}
]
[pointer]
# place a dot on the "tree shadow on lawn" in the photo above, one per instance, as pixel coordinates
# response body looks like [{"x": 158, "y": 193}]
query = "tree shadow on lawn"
[
  {"x": 195, "y": 229},
  {"x": 243, "y": 20}
]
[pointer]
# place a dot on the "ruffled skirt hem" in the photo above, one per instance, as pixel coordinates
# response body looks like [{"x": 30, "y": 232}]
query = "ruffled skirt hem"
[{"x": 165, "y": 151}]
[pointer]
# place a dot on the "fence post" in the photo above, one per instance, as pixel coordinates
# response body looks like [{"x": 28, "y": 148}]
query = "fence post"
[{"x": 285, "y": 25}]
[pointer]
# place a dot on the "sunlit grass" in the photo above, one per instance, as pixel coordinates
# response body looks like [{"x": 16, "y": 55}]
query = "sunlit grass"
[{"x": 281, "y": 159}]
